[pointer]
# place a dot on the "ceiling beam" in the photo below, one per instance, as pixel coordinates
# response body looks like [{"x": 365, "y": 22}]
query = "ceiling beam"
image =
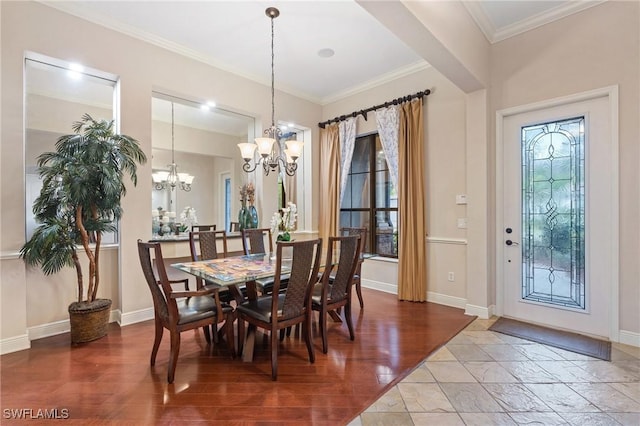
[{"x": 460, "y": 53}]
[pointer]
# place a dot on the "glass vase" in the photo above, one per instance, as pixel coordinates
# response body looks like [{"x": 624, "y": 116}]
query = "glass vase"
[
  {"x": 253, "y": 217},
  {"x": 244, "y": 218}
]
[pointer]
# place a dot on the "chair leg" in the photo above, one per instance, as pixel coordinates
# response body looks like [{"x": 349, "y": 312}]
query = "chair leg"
[
  {"x": 214, "y": 333},
  {"x": 240, "y": 334},
  {"x": 207, "y": 336},
  {"x": 323, "y": 329},
  {"x": 274, "y": 354},
  {"x": 156, "y": 341},
  {"x": 173, "y": 356},
  {"x": 359, "y": 293},
  {"x": 307, "y": 338},
  {"x": 347, "y": 315}
]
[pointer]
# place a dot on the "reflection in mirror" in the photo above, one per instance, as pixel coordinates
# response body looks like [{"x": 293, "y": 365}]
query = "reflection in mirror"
[
  {"x": 57, "y": 94},
  {"x": 201, "y": 142}
]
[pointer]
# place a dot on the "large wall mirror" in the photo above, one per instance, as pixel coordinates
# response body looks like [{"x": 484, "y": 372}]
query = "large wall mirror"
[
  {"x": 57, "y": 94},
  {"x": 201, "y": 140}
]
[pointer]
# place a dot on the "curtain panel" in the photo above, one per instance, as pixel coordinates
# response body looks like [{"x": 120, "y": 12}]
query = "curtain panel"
[
  {"x": 387, "y": 121},
  {"x": 329, "y": 182},
  {"x": 412, "y": 250},
  {"x": 347, "y": 143}
]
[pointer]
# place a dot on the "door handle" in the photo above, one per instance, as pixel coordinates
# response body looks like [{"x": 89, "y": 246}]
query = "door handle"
[{"x": 511, "y": 243}]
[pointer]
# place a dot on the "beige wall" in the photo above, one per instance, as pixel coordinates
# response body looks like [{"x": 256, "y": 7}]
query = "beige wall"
[{"x": 592, "y": 49}]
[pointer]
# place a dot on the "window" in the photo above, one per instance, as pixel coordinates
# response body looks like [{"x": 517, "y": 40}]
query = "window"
[{"x": 370, "y": 200}]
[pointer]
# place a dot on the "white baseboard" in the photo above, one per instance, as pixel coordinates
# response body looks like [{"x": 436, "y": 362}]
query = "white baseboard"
[
  {"x": 380, "y": 286},
  {"x": 14, "y": 344},
  {"x": 479, "y": 311},
  {"x": 18, "y": 343},
  {"x": 134, "y": 317},
  {"x": 630, "y": 338},
  {"x": 443, "y": 299},
  {"x": 59, "y": 327},
  {"x": 47, "y": 330}
]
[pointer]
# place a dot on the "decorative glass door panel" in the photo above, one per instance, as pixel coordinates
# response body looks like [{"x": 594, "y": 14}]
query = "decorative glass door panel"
[
  {"x": 559, "y": 205},
  {"x": 553, "y": 213}
]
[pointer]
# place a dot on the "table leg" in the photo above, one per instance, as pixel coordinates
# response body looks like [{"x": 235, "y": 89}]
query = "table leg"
[
  {"x": 249, "y": 344},
  {"x": 250, "y": 339}
]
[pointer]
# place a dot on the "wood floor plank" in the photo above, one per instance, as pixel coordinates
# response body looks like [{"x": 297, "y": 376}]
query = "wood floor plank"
[{"x": 110, "y": 381}]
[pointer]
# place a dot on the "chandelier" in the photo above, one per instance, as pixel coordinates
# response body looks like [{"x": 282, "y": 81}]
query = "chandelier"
[
  {"x": 171, "y": 179},
  {"x": 272, "y": 155}
]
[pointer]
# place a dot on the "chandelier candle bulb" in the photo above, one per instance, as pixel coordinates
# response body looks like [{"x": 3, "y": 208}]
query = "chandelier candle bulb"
[
  {"x": 265, "y": 145},
  {"x": 295, "y": 149},
  {"x": 247, "y": 150}
]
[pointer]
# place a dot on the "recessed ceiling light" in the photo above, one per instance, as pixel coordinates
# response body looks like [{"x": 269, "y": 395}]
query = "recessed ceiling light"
[
  {"x": 326, "y": 53},
  {"x": 204, "y": 107},
  {"x": 75, "y": 71},
  {"x": 76, "y": 67},
  {"x": 211, "y": 104}
]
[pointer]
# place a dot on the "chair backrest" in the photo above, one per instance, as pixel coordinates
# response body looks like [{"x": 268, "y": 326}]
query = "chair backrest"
[
  {"x": 253, "y": 240},
  {"x": 204, "y": 245},
  {"x": 197, "y": 228},
  {"x": 164, "y": 306},
  {"x": 234, "y": 226},
  {"x": 362, "y": 232},
  {"x": 305, "y": 264},
  {"x": 348, "y": 249}
]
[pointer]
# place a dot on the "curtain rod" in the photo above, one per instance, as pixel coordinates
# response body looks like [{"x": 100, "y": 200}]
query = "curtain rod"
[{"x": 364, "y": 112}]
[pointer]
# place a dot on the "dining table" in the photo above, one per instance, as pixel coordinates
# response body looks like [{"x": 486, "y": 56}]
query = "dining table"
[{"x": 233, "y": 271}]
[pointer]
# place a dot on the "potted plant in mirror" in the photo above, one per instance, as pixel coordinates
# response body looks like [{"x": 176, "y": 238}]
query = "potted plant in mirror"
[{"x": 82, "y": 187}]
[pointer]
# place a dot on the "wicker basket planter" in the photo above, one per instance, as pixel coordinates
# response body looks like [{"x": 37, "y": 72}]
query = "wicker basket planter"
[{"x": 89, "y": 320}]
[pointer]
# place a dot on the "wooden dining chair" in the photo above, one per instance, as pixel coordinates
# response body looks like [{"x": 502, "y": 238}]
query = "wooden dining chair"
[
  {"x": 234, "y": 226},
  {"x": 253, "y": 240},
  {"x": 333, "y": 294},
  {"x": 282, "y": 310},
  {"x": 357, "y": 281},
  {"x": 179, "y": 311},
  {"x": 204, "y": 246},
  {"x": 253, "y": 243}
]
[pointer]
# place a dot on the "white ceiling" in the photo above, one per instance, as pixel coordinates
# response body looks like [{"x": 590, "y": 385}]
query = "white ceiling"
[{"x": 235, "y": 36}]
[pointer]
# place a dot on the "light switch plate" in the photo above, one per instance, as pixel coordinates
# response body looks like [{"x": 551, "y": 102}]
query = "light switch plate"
[
  {"x": 461, "y": 199},
  {"x": 462, "y": 222}
]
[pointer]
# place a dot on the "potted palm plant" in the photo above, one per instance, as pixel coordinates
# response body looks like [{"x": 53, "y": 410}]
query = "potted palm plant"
[{"x": 82, "y": 185}]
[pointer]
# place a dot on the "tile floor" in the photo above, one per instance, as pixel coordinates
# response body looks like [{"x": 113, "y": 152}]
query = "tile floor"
[{"x": 485, "y": 378}]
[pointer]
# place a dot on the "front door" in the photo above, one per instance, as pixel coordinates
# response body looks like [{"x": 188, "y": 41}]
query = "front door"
[{"x": 558, "y": 207}]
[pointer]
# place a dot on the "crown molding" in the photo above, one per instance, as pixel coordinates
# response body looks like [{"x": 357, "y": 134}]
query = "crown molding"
[
  {"x": 494, "y": 35},
  {"x": 385, "y": 78},
  {"x": 544, "y": 18},
  {"x": 481, "y": 18}
]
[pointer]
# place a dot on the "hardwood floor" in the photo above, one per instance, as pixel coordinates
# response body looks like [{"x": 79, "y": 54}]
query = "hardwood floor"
[{"x": 109, "y": 381}]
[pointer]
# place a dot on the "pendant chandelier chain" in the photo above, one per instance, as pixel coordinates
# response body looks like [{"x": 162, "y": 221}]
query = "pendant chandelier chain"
[
  {"x": 172, "y": 136},
  {"x": 273, "y": 102}
]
